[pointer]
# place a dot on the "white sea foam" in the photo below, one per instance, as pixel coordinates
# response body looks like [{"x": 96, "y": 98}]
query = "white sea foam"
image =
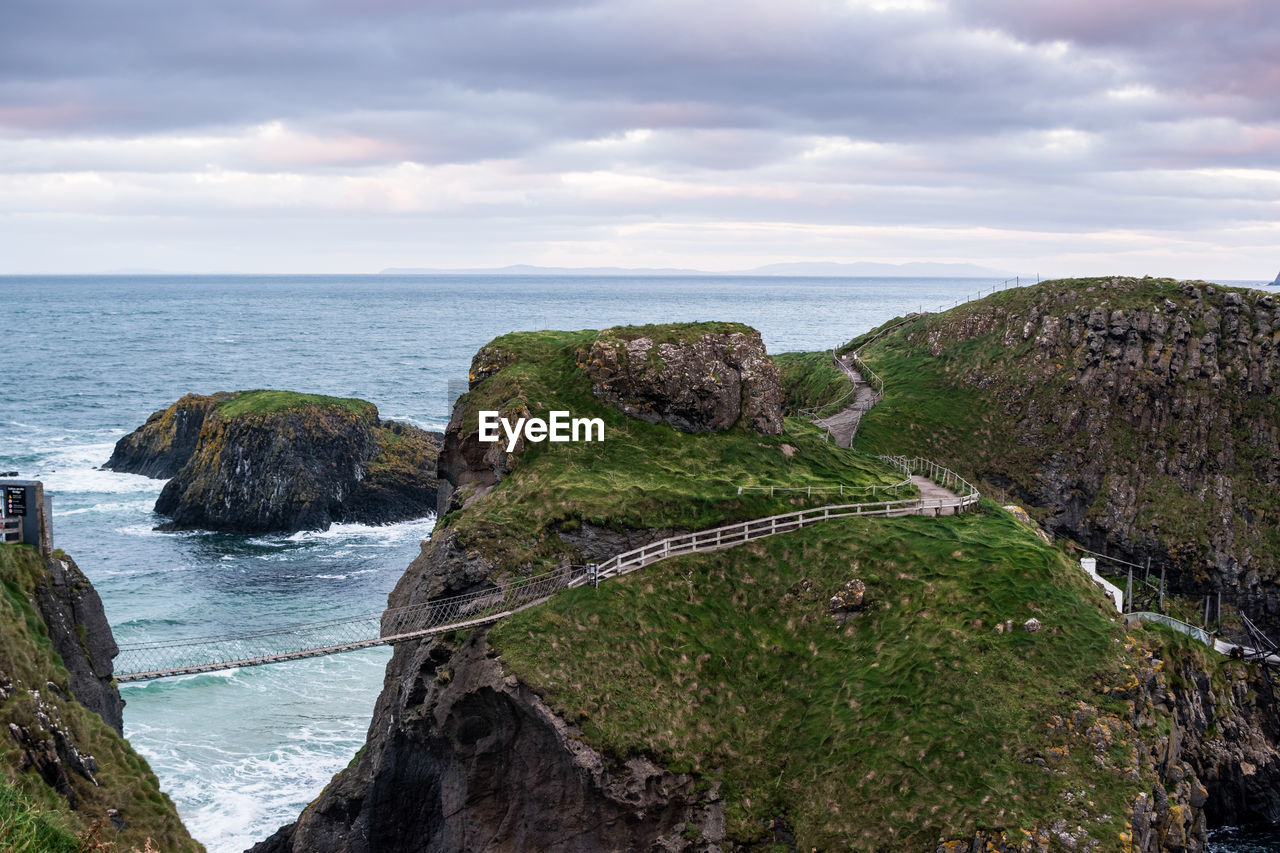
[
  {"x": 114, "y": 507},
  {"x": 72, "y": 469},
  {"x": 367, "y": 535}
]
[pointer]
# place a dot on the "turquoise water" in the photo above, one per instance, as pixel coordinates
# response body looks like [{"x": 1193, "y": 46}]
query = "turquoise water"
[{"x": 88, "y": 358}]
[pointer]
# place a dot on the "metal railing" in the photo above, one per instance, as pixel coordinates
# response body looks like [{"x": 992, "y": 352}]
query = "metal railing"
[{"x": 1176, "y": 624}]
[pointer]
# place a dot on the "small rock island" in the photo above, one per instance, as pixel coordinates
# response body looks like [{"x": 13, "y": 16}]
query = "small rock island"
[{"x": 280, "y": 461}]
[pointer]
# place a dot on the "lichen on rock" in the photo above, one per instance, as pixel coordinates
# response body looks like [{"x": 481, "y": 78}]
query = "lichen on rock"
[{"x": 705, "y": 380}]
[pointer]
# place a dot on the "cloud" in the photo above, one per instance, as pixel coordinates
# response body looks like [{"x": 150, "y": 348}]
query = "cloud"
[{"x": 581, "y": 122}]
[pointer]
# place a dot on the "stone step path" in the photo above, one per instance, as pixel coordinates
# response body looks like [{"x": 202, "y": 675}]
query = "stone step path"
[
  {"x": 932, "y": 494},
  {"x": 843, "y": 425}
]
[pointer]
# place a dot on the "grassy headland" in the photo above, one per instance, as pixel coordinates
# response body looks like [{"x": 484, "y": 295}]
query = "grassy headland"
[{"x": 642, "y": 475}]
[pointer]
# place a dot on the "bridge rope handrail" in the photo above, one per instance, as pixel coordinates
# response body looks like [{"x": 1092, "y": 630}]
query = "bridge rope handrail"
[{"x": 296, "y": 627}]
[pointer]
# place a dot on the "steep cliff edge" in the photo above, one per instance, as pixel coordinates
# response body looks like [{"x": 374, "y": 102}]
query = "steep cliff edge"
[
  {"x": 1135, "y": 415},
  {"x": 978, "y": 689},
  {"x": 67, "y": 778},
  {"x": 160, "y": 447},
  {"x": 452, "y": 726},
  {"x": 274, "y": 461}
]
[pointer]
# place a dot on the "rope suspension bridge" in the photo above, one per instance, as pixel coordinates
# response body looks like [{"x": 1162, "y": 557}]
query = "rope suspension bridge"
[{"x": 942, "y": 492}]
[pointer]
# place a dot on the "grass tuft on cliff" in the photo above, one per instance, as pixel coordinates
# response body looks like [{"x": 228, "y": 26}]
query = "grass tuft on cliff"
[
  {"x": 642, "y": 475},
  {"x": 912, "y": 722},
  {"x": 266, "y": 402},
  {"x": 27, "y": 828},
  {"x": 28, "y": 666}
]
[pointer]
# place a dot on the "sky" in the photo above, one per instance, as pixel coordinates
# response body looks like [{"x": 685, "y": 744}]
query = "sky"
[{"x": 346, "y": 136}]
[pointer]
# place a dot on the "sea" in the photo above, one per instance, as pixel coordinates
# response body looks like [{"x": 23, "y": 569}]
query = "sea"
[{"x": 87, "y": 358}]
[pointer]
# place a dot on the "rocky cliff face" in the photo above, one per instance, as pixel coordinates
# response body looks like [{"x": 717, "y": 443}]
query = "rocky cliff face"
[
  {"x": 702, "y": 383},
  {"x": 61, "y": 715},
  {"x": 466, "y": 758},
  {"x": 298, "y": 467},
  {"x": 1140, "y": 417},
  {"x": 160, "y": 447},
  {"x": 1228, "y": 735},
  {"x": 461, "y": 756},
  {"x": 78, "y": 629}
]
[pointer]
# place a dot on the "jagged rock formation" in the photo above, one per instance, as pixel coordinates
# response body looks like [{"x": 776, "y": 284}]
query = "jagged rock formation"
[
  {"x": 61, "y": 714},
  {"x": 80, "y": 634},
  {"x": 259, "y": 466},
  {"x": 704, "y": 381},
  {"x": 1134, "y": 415},
  {"x": 473, "y": 760},
  {"x": 160, "y": 447}
]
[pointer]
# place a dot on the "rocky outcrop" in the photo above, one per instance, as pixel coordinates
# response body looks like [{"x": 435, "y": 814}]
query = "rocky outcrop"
[
  {"x": 302, "y": 466},
  {"x": 160, "y": 447},
  {"x": 699, "y": 382},
  {"x": 1138, "y": 416},
  {"x": 81, "y": 636},
  {"x": 472, "y": 759},
  {"x": 1228, "y": 735},
  {"x": 462, "y": 756},
  {"x": 60, "y": 713}
]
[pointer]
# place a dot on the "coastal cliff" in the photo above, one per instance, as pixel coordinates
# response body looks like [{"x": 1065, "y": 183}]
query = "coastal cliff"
[
  {"x": 977, "y": 689},
  {"x": 1137, "y": 416},
  {"x": 273, "y": 461},
  {"x": 70, "y": 781}
]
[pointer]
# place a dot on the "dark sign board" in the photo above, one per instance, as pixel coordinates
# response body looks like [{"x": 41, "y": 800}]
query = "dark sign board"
[{"x": 15, "y": 500}]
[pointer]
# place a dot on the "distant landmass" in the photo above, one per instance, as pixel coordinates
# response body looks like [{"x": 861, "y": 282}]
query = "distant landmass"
[
  {"x": 915, "y": 269},
  {"x": 1276, "y": 283}
]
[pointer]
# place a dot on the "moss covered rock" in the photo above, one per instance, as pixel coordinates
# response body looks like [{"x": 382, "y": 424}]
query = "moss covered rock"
[
  {"x": 697, "y": 377},
  {"x": 278, "y": 461},
  {"x": 160, "y": 447}
]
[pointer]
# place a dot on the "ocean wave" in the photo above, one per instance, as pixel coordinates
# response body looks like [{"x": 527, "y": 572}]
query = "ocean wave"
[
  {"x": 379, "y": 535},
  {"x": 114, "y": 507}
]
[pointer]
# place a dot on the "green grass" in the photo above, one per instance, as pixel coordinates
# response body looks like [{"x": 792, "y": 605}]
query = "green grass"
[
  {"x": 641, "y": 476},
  {"x": 27, "y": 828},
  {"x": 265, "y": 402},
  {"x": 810, "y": 380},
  {"x": 675, "y": 333},
  {"x": 913, "y": 722},
  {"x": 125, "y": 782}
]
